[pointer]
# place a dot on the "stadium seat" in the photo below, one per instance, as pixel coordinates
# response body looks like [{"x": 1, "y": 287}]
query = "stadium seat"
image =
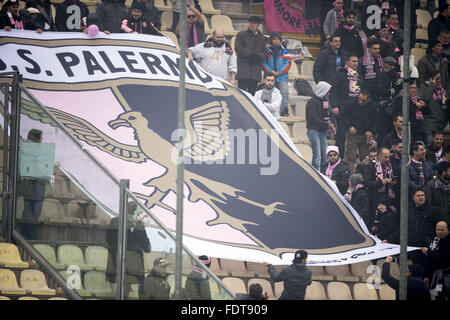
[
  {"x": 149, "y": 258},
  {"x": 72, "y": 255},
  {"x": 236, "y": 285},
  {"x": 208, "y": 30},
  {"x": 338, "y": 291},
  {"x": 28, "y": 298},
  {"x": 172, "y": 36},
  {"x": 166, "y": 20},
  {"x": 315, "y": 291},
  {"x": 225, "y": 23},
  {"x": 4, "y": 298},
  {"x": 278, "y": 289},
  {"x": 216, "y": 269},
  {"x": 8, "y": 284},
  {"x": 418, "y": 53},
  {"x": 10, "y": 257},
  {"x": 95, "y": 282},
  {"x": 342, "y": 273},
  {"x": 135, "y": 263},
  {"x": 258, "y": 268},
  {"x": 360, "y": 269},
  {"x": 361, "y": 291},
  {"x": 58, "y": 298},
  {"x": 265, "y": 284},
  {"x": 97, "y": 257},
  {"x": 423, "y": 18},
  {"x": 386, "y": 292},
  {"x": 35, "y": 282},
  {"x": 421, "y": 35},
  {"x": 162, "y": 6},
  {"x": 208, "y": 7},
  {"x": 306, "y": 69},
  {"x": 75, "y": 281},
  {"x": 48, "y": 253},
  {"x": 318, "y": 273},
  {"x": 235, "y": 267}
]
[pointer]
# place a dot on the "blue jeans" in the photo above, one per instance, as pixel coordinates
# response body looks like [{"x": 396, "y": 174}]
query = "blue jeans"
[
  {"x": 284, "y": 90},
  {"x": 319, "y": 145}
]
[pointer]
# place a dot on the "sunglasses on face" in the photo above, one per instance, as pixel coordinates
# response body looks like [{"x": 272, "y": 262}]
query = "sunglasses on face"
[
  {"x": 191, "y": 16},
  {"x": 332, "y": 154}
]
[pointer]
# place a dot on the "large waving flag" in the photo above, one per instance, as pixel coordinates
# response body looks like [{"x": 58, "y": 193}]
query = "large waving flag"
[{"x": 249, "y": 193}]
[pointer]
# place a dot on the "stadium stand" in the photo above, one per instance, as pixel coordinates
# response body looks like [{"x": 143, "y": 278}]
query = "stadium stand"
[
  {"x": 341, "y": 273},
  {"x": 315, "y": 291},
  {"x": 10, "y": 257},
  {"x": 35, "y": 282},
  {"x": 259, "y": 269},
  {"x": 72, "y": 255},
  {"x": 97, "y": 257},
  {"x": 225, "y": 23},
  {"x": 9, "y": 285},
  {"x": 236, "y": 268},
  {"x": 339, "y": 291},
  {"x": 265, "y": 284},
  {"x": 216, "y": 268},
  {"x": 386, "y": 292},
  {"x": 364, "y": 291},
  {"x": 236, "y": 285},
  {"x": 208, "y": 7},
  {"x": 95, "y": 282}
]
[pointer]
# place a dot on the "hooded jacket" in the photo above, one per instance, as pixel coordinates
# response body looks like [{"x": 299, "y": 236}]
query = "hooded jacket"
[
  {"x": 282, "y": 66},
  {"x": 315, "y": 113}
]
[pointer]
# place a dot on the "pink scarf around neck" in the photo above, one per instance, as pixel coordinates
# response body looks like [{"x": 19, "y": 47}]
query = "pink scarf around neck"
[
  {"x": 330, "y": 168},
  {"x": 16, "y": 24}
]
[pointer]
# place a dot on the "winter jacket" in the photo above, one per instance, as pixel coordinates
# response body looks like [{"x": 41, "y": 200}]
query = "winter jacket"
[
  {"x": 326, "y": 65},
  {"x": 111, "y": 13},
  {"x": 360, "y": 202},
  {"x": 388, "y": 85},
  {"x": 5, "y": 21},
  {"x": 32, "y": 21},
  {"x": 426, "y": 65},
  {"x": 151, "y": 13},
  {"x": 387, "y": 140},
  {"x": 436, "y": 25},
  {"x": 431, "y": 153},
  {"x": 315, "y": 114},
  {"x": 440, "y": 257},
  {"x": 341, "y": 173},
  {"x": 197, "y": 287},
  {"x": 282, "y": 66},
  {"x": 155, "y": 287},
  {"x": 362, "y": 118},
  {"x": 296, "y": 278},
  {"x": 63, "y": 13},
  {"x": 387, "y": 226},
  {"x": 368, "y": 77},
  {"x": 350, "y": 40},
  {"x": 414, "y": 174},
  {"x": 329, "y": 25},
  {"x": 344, "y": 89},
  {"x": 416, "y": 288},
  {"x": 142, "y": 25},
  {"x": 421, "y": 225},
  {"x": 251, "y": 52},
  {"x": 439, "y": 199},
  {"x": 436, "y": 120},
  {"x": 46, "y": 7}
]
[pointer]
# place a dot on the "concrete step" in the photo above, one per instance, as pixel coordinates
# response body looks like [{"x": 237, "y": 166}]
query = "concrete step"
[
  {"x": 228, "y": 7},
  {"x": 299, "y": 130}
]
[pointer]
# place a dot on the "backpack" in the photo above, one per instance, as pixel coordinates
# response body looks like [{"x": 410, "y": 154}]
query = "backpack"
[{"x": 303, "y": 88}]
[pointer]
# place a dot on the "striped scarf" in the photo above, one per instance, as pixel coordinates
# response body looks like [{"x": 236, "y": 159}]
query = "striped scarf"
[
  {"x": 420, "y": 169},
  {"x": 353, "y": 82},
  {"x": 17, "y": 22},
  {"x": 385, "y": 173},
  {"x": 369, "y": 63}
]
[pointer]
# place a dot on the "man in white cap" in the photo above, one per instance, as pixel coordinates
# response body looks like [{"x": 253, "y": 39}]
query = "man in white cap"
[
  {"x": 318, "y": 122},
  {"x": 336, "y": 169}
]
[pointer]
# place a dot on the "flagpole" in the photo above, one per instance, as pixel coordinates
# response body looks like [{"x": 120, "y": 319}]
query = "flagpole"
[
  {"x": 405, "y": 153},
  {"x": 180, "y": 164}
]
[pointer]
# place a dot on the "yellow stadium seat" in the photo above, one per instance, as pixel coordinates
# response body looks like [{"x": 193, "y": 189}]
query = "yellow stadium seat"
[
  {"x": 97, "y": 257},
  {"x": 208, "y": 7},
  {"x": 342, "y": 273},
  {"x": 4, "y": 298},
  {"x": 35, "y": 282},
  {"x": 208, "y": 30},
  {"x": 386, "y": 292},
  {"x": 278, "y": 289},
  {"x": 423, "y": 18},
  {"x": 236, "y": 285},
  {"x": 223, "y": 22},
  {"x": 28, "y": 298},
  {"x": 166, "y": 20},
  {"x": 364, "y": 291},
  {"x": 8, "y": 284},
  {"x": 10, "y": 257},
  {"x": 318, "y": 273},
  {"x": 235, "y": 267},
  {"x": 95, "y": 282},
  {"x": 172, "y": 36},
  {"x": 48, "y": 253},
  {"x": 258, "y": 268},
  {"x": 306, "y": 69},
  {"x": 72, "y": 255},
  {"x": 265, "y": 284},
  {"x": 162, "y": 6},
  {"x": 75, "y": 281},
  {"x": 338, "y": 291},
  {"x": 58, "y": 298},
  {"x": 360, "y": 269},
  {"x": 422, "y": 34},
  {"x": 315, "y": 291}
]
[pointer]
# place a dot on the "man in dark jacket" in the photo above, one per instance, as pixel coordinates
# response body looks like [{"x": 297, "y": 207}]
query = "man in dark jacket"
[
  {"x": 137, "y": 22},
  {"x": 416, "y": 287},
  {"x": 150, "y": 12},
  {"x": 420, "y": 171},
  {"x": 65, "y": 12},
  {"x": 358, "y": 196},
  {"x": 437, "y": 190},
  {"x": 328, "y": 60},
  {"x": 197, "y": 285},
  {"x": 295, "y": 277},
  {"x": 318, "y": 121},
  {"x": 435, "y": 152},
  {"x": 250, "y": 48},
  {"x": 396, "y": 132},
  {"x": 442, "y": 21},
  {"x": 370, "y": 65},
  {"x": 350, "y": 39},
  {"x": 110, "y": 14},
  {"x": 155, "y": 286},
  {"x": 336, "y": 169},
  {"x": 385, "y": 222},
  {"x": 360, "y": 116}
]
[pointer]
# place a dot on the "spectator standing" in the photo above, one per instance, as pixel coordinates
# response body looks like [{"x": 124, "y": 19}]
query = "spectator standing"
[
  {"x": 216, "y": 56},
  {"x": 32, "y": 19},
  {"x": 435, "y": 151},
  {"x": 270, "y": 96},
  {"x": 328, "y": 60},
  {"x": 156, "y": 286},
  {"x": 45, "y": 8},
  {"x": 396, "y": 163},
  {"x": 176, "y": 8},
  {"x": 195, "y": 27},
  {"x": 345, "y": 88},
  {"x": 137, "y": 22},
  {"x": 9, "y": 16},
  {"x": 150, "y": 12},
  {"x": 367, "y": 161},
  {"x": 396, "y": 133},
  {"x": 279, "y": 62},
  {"x": 358, "y": 195},
  {"x": 433, "y": 62},
  {"x": 350, "y": 39},
  {"x": 416, "y": 287},
  {"x": 66, "y": 17},
  {"x": 197, "y": 282},
  {"x": 442, "y": 21},
  {"x": 110, "y": 15},
  {"x": 388, "y": 45},
  {"x": 435, "y": 96},
  {"x": 370, "y": 65},
  {"x": 318, "y": 122},
  {"x": 437, "y": 190},
  {"x": 250, "y": 48},
  {"x": 393, "y": 25},
  {"x": 420, "y": 171},
  {"x": 295, "y": 277},
  {"x": 360, "y": 123},
  {"x": 336, "y": 169},
  {"x": 333, "y": 19},
  {"x": 385, "y": 222}
]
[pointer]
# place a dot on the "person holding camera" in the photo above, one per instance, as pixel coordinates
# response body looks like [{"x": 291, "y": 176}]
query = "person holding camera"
[{"x": 270, "y": 96}]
